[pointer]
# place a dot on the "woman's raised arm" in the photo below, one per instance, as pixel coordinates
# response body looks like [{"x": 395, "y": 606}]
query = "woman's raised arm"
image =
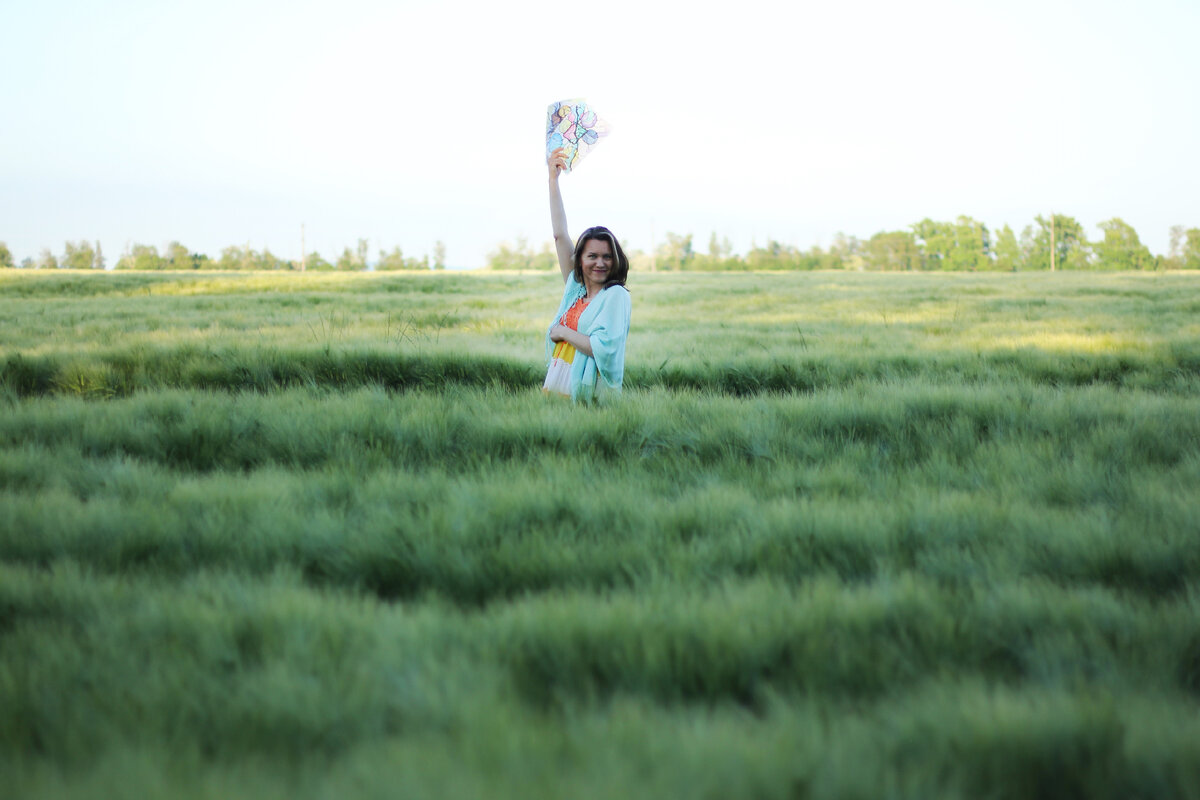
[{"x": 558, "y": 215}]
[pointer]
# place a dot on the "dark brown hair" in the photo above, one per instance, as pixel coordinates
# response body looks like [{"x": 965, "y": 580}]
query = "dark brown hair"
[{"x": 620, "y": 268}]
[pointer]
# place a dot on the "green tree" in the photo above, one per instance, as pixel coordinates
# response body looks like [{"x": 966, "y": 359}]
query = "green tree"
[
  {"x": 1191, "y": 249},
  {"x": 972, "y": 245},
  {"x": 233, "y": 257},
  {"x": 777, "y": 255},
  {"x": 77, "y": 256},
  {"x": 316, "y": 262},
  {"x": 935, "y": 241},
  {"x": 1027, "y": 247},
  {"x": 892, "y": 250},
  {"x": 390, "y": 261},
  {"x": 1177, "y": 233},
  {"x": 845, "y": 252},
  {"x": 178, "y": 257},
  {"x": 142, "y": 256},
  {"x": 1008, "y": 251},
  {"x": 355, "y": 259},
  {"x": 6, "y": 257},
  {"x": 522, "y": 256},
  {"x": 46, "y": 260},
  {"x": 719, "y": 249},
  {"x": 676, "y": 252},
  {"x": 395, "y": 260},
  {"x": 509, "y": 256},
  {"x": 720, "y": 255},
  {"x": 546, "y": 258},
  {"x": 812, "y": 258},
  {"x": 98, "y": 260},
  {"x": 1120, "y": 248},
  {"x": 1174, "y": 257},
  {"x": 266, "y": 260},
  {"x": 817, "y": 257},
  {"x": 960, "y": 245},
  {"x": 243, "y": 258},
  {"x": 439, "y": 254},
  {"x": 349, "y": 260},
  {"x": 1071, "y": 247}
]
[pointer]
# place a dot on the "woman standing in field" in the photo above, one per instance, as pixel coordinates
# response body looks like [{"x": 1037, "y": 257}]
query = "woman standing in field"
[{"x": 585, "y": 345}]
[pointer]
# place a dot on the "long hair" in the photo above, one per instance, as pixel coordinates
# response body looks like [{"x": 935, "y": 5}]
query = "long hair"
[{"x": 620, "y": 268}]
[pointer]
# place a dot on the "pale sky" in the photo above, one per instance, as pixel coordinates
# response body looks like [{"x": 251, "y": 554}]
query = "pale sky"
[{"x": 231, "y": 121}]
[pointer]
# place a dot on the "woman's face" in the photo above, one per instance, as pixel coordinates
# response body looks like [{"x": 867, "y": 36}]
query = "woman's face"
[{"x": 597, "y": 261}]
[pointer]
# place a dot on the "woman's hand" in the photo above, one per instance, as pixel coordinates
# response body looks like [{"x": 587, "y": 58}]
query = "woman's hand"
[
  {"x": 557, "y": 162},
  {"x": 558, "y": 333}
]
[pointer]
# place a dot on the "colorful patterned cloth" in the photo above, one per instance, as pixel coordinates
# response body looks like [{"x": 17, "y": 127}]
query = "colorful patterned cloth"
[{"x": 573, "y": 126}]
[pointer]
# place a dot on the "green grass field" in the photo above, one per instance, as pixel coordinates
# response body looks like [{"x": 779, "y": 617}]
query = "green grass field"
[{"x": 844, "y": 536}]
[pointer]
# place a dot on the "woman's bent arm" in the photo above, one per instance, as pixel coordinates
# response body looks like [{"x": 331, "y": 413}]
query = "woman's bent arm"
[
  {"x": 558, "y": 215},
  {"x": 581, "y": 342}
]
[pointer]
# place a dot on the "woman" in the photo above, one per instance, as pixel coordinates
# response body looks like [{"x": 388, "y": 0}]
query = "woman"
[{"x": 586, "y": 341}]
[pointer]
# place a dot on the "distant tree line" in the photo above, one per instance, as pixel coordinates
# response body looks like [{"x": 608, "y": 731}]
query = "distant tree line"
[
  {"x": 1050, "y": 243},
  {"x": 84, "y": 255},
  {"x": 520, "y": 255}
]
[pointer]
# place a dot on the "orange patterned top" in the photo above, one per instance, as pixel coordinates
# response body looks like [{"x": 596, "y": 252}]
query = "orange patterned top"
[{"x": 571, "y": 318}]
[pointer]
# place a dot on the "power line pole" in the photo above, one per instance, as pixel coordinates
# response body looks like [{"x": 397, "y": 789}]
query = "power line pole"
[
  {"x": 653, "y": 250},
  {"x": 1052, "y": 247}
]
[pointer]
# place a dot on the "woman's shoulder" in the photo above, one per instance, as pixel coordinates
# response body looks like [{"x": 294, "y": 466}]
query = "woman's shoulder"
[{"x": 616, "y": 296}]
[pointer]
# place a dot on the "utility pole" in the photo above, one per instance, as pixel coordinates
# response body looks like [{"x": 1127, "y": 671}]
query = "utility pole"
[
  {"x": 653, "y": 250},
  {"x": 1052, "y": 247}
]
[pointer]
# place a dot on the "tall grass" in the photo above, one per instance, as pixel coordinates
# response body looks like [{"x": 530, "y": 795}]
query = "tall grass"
[
  {"x": 843, "y": 536},
  {"x": 732, "y": 333}
]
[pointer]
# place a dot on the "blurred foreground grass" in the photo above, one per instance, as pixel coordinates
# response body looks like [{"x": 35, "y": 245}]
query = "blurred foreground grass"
[{"x": 845, "y": 536}]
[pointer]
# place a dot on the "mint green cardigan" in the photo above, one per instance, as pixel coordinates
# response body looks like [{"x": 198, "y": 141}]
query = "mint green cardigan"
[{"x": 605, "y": 322}]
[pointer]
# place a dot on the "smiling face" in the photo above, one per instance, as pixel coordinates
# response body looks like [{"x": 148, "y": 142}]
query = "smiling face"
[{"x": 597, "y": 262}]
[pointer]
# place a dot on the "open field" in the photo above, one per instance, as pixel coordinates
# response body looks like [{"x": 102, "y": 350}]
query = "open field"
[{"x": 846, "y": 535}]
